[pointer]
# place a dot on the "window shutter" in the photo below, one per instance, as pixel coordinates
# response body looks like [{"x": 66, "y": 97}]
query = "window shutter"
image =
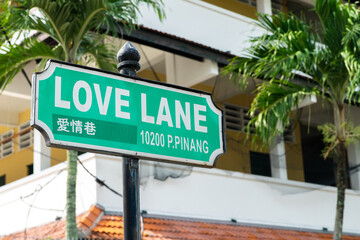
[
  {"x": 237, "y": 119},
  {"x": 249, "y": 2},
  {"x": 26, "y": 139},
  {"x": 7, "y": 147}
]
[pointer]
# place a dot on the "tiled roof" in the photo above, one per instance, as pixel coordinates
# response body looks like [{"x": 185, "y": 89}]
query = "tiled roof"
[
  {"x": 56, "y": 230},
  {"x": 110, "y": 227},
  {"x": 95, "y": 225}
]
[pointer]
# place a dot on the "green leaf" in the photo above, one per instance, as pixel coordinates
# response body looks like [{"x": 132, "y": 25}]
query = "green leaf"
[
  {"x": 274, "y": 101},
  {"x": 13, "y": 59}
]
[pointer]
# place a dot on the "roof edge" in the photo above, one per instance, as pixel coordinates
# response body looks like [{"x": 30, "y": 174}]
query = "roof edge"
[{"x": 174, "y": 44}]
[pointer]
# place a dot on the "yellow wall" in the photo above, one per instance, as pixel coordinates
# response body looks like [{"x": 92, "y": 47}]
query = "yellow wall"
[
  {"x": 237, "y": 157},
  {"x": 4, "y": 129},
  {"x": 24, "y": 116},
  {"x": 57, "y": 155},
  {"x": 203, "y": 87},
  {"x": 294, "y": 160},
  {"x": 147, "y": 74},
  {"x": 235, "y": 6},
  {"x": 15, "y": 165}
]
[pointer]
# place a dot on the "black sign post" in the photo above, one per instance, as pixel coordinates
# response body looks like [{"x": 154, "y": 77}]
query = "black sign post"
[
  {"x": 188, "y": 129},
  {"x": 128, "y": 58}
]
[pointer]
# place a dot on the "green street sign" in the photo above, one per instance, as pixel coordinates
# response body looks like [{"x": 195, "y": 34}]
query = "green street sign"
[{"x": 82, "y": 108}]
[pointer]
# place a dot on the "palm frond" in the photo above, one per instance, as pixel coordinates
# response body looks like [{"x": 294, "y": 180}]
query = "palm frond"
[
  {"x": 353, "y": 84},
  {"x": 288, "y": 46},
  {"x": 93, "y": 48},
  {"x": 68, "y": 23},
  {"x": 13, "y": 59},
  {"x": 334, "y": 17},
  {"x": 275, "y": 100},
  {"x": 100, "y": 14}
]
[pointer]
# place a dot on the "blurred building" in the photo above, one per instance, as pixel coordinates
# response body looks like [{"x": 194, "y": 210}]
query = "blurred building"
[{"x": 282, "y": 190}]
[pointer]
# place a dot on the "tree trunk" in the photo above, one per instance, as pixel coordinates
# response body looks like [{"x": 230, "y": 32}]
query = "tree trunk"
[
  {"x": 339, "y": 117},
  {"x": 341, "y": 187},
  {"x": 71, "y": 228}
]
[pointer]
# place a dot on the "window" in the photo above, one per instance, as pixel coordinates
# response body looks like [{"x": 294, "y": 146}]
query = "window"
[
  {"x": 236, "y": 119},
  {"x": 26, "y": 138},
  {"x": 316, "y": 169},
  {"x": 30, "y": 169},
  {"x": 305, "y": 11},
  {"x": 7, "y": 144},
  {"x": 2, "y": 180},
  {"x": 289, "y": 135},
  {"x": 277, "y": 5},
  {"x": 260, "y": 164},
  {"x": 249, "y": 2}
]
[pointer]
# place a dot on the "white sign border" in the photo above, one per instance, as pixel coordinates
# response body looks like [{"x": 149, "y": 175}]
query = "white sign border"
[{"x": 52, "y": 142}]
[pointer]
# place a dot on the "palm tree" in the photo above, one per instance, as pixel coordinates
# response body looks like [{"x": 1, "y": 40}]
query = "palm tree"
[
  {"x": 329, "y": 59},
  {"x": 76, "y": 26}
]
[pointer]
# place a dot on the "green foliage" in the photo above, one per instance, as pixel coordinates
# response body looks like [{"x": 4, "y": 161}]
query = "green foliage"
[
  {"x": 78, "y": 27},
  {"x": 14, "y": 58},
  {"x": 329, "y": 59},
  {"x": 275, "y": 101},
  {"x": 330, "y": 137}
]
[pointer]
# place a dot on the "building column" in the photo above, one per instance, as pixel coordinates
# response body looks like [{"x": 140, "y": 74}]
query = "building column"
[
  {"x": 353, "y": 152},
  {"x": 264, "y": 6},
  {"x": 188, "y": 72},
  {"x": 278, "y": 158},
  {"x": 41, "y": 153}
]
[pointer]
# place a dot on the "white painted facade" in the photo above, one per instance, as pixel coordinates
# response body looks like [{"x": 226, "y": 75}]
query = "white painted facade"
[
  {"x": 200, "y": 193},
  {"x": 42, "y": 153},
  {"x": 210, "y": 194},
  {"x": 205, "y": 24}
]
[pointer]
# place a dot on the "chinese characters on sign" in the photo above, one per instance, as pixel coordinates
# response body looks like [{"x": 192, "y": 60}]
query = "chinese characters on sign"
[
  {"x": 75, "y": 126},
  {"x": 92, "y": 110}
]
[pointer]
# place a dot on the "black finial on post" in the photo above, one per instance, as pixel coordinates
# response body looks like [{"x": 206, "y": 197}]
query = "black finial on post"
[{"x": 128, "y": 58}]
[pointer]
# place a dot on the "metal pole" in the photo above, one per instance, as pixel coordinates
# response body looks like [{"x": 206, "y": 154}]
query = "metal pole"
[
  {"x": 131, "y": 199},
  {"x": 128, "y": 58}
]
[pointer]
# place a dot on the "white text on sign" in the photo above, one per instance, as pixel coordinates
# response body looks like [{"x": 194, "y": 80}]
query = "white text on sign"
[
  {"x": 174, "y": 142},
  {"x": 121, "y": 95}
]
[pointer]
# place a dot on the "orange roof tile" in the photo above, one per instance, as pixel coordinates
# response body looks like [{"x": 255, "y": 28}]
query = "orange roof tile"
[
  {"x": 110, "y": 227},
  {"x": 94, "y": 224}
]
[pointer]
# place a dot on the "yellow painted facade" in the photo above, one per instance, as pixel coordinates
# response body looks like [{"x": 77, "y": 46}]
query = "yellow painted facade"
[
  {"x": 147, "y": 74},
  {"x": 203, "y": 87},
  {"x": 235, "y": 6},
  {"x": 237, "y": 157},
  {"x": 15, "y": 165},
  {"x": 238, "y": 147}
]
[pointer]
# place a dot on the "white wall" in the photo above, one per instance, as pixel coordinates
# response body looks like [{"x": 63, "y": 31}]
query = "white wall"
[
  {"x": 187, "y": 72},
  {"x": 223, "y": 195},
  {"x": 203, "y": 23},
  {"x": 16, "y": 97},
  {"x": 109, "y": 168},
  {"x": 40, "y": 198},
  {"x": 200, "y": 193},
  {"x": 353, "y": 150}
]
